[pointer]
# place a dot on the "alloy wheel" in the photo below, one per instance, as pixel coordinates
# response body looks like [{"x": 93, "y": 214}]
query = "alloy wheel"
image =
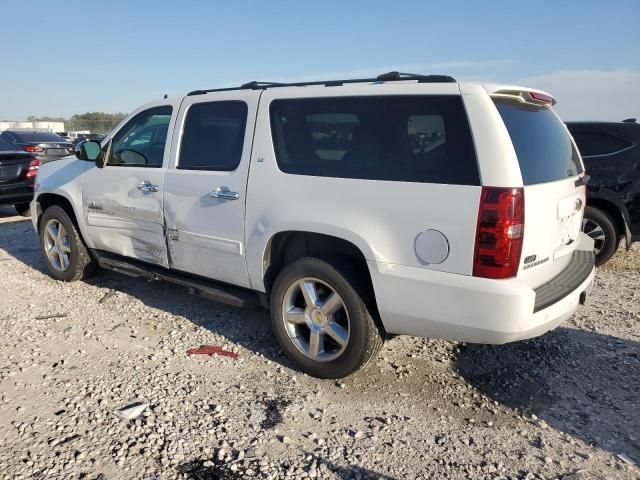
[
  {"x": 595, "y": 231},
  {"x": 316, "y": 319},
  {"x": 56, "y": 245}
]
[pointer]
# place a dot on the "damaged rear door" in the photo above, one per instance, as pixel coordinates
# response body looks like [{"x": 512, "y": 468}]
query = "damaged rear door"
[
  {"x": 123, "y": 201},
  {"x": 205, "y": 186}
]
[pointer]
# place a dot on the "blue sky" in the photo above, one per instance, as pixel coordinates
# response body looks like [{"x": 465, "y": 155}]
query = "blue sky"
[{"x": 67, "y": 57}]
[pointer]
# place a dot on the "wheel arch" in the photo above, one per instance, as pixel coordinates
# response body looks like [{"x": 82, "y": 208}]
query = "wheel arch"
[
  {"x": 284, "y": 247},
  {"x": 615, "y": 209},
  {"x": 46, "y": 200}
]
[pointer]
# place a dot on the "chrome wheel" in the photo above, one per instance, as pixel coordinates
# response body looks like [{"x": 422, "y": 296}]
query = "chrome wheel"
[
  {"x": 596, "y": 232},
  {"x": 316, "y": 319},
  {"x": 56, "y": 245}
]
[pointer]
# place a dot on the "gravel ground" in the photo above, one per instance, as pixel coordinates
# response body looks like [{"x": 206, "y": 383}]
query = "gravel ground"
[{"x": 565, "y": 405}]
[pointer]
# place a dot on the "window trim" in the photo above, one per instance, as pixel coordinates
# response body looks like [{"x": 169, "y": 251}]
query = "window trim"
[
  {"x": 134, "y": 165},
  {"x": 617, "y": 152},
  {"x": 204, "y": 168}
]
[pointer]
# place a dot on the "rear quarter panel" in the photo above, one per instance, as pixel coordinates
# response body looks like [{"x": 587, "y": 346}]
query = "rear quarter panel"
[{"x": 382, "y": 218}]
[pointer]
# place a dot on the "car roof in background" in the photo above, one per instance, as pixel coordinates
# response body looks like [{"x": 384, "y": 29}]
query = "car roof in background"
[{"x": 34, "y": 136}]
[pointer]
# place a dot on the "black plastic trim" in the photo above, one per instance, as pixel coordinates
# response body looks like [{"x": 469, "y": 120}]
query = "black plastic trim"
[
  {"x": 211, "y": 289},
  {"x": 578, "y": 270}
]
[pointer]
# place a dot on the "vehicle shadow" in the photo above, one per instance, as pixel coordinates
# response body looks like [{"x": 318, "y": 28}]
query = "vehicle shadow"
[{"x": 579, "y": 382}]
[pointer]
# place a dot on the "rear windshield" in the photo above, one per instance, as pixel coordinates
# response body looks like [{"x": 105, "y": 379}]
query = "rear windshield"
[
  {"x": 37, "y": 137},
  {"x": 5, "y": 146},
  {"x": 543, "y": 145},
  {"x": 401, "y": 138}
]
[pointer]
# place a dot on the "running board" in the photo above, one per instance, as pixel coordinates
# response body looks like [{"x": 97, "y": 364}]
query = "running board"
[{"x": 210, "y": 289}]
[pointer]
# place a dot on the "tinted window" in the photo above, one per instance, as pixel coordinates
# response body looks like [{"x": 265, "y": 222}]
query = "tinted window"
[
  {"x": 543, "y": 145},
  {"x": 37, "y": 137},
  {"x": 213, "y": 136},
  {"x": 8, "y": 136},
  {"x": 598, "y": 143},
  {"x": 402, "y": 138},
  {"x": 6, "y": 146},
  {"x": 140, "y": 143}
]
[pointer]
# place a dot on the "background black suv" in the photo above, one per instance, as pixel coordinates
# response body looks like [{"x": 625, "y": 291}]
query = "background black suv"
[{"x": 611, "y": 155}]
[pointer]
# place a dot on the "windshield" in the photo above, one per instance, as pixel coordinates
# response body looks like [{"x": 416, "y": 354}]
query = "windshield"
[{"x": 543, "y": 145}]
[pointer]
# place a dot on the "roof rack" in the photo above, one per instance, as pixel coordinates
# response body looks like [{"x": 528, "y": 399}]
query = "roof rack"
[{"x": 385, "y": 77}]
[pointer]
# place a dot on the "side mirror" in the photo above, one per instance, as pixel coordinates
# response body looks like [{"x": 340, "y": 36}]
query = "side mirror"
[{"x": 88, "y": 150}]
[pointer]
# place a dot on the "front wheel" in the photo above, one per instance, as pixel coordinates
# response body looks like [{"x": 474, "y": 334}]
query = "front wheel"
[
  {"x": 601, "y": 228},
  {"x": 63, "y": 251},
  {"x": 322, "y": 316}
]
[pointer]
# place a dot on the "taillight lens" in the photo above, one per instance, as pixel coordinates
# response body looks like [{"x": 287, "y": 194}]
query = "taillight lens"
[
  {"x": 32, "y": 148},
  {"x": 499, "y": 233},
  {"x": 541, "y": 97},
  {"x": 32, "y": 171}
]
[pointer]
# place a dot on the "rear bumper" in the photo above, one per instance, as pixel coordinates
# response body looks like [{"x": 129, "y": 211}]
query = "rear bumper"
[
  {"x": 10, "y": 195},
  {"x": 426, "y": 303}
]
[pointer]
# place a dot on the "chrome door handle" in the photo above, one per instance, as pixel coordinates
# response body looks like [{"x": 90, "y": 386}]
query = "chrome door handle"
[
  {"x": 147, "y": 187},
  {"x": 224, "y": 194}
]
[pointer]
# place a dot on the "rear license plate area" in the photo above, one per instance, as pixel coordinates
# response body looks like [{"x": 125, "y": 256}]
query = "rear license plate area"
[{"x": 56, "y": 151}]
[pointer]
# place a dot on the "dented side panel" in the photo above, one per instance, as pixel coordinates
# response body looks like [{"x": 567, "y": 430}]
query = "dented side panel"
[{"x": 122, "y": 219}]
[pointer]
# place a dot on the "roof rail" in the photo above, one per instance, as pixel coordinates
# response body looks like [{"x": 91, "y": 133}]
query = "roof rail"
[{"x": 385, "y": 77}]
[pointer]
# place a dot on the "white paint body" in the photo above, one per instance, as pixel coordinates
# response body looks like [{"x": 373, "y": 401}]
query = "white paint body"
[{"x": 183, "y": 228}]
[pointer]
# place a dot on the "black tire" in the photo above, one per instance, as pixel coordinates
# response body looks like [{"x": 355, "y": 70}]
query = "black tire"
[
  {"x": 81, "y": 264},
  {"x": 365, "y": 338},
  {"x": 596, "y": 220},
  {"x": 23, "y": 209}
]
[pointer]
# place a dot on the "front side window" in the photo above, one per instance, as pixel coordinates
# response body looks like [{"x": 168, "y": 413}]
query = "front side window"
[
  {"x": 213, "y": 136},
  {"x": 422, "y": 138},
  {"x": 138, "y": 143}
]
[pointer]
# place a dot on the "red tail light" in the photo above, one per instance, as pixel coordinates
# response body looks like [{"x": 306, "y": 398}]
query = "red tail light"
[
  {"x": 541, "y": 97},
  {"x": 32, "y": 148},
  {"x": 499, "y": 233},
  {"x": 32, "y": 171}
]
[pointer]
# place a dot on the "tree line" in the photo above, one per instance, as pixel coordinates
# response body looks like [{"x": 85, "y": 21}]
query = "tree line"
[{"x": 96, "y": 122}]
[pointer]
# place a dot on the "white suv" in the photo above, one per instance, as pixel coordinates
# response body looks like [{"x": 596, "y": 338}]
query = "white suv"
[{"x": 354, "y": 209}]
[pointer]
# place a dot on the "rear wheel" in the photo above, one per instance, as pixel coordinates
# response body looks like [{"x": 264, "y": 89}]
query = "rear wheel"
[
  {"x": 23, "y": 209},
  {"x": 601, "y": 228},
  {"x": 321, "y": 315},
  {"x": 63, "y": 251}
]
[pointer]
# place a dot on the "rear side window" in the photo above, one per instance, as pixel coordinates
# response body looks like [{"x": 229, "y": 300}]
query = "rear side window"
[
  {"x": 213, "y": 136},
  {"x": 599, "y": 143},
  {"x": 399, "y": 138},
  {"x": 543, "y": 145}
]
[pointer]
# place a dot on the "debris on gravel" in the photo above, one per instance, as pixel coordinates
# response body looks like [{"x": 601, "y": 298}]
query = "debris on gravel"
[{"x": 562, "y": 406}]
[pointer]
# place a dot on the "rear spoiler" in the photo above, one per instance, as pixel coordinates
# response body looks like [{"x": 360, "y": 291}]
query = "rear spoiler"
[
  {"x": 522, "y": 94},
  {"x": 526, "y": 96}
]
